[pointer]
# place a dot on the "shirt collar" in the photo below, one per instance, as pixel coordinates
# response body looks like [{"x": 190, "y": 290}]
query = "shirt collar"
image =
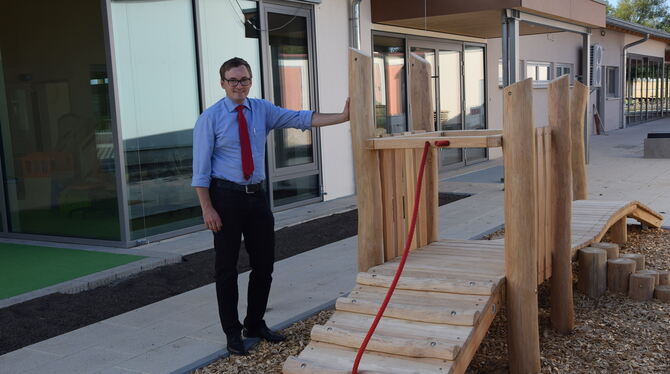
[{"x": 230, "y": 105}]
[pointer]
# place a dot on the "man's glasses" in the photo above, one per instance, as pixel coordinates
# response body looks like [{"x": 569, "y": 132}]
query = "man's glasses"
[{"x": 234, "y": 82}]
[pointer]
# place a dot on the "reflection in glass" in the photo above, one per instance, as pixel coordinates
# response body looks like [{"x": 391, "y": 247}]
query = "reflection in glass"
[
  {"x": 158, "y": 98},
  {"x": 294, "y": 190},
  {"x": 475, "y": 102},
  {"x": 450, "y": 101},
  {"x": 55, "y": 120},
  {"x": 389, "y": 84},
  {"x": 428, "y": 55},
  {"x": 290, "y": 70}
]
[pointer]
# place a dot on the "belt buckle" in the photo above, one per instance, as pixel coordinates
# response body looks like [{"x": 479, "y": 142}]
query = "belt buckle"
[{"x": 246, "y": 189}]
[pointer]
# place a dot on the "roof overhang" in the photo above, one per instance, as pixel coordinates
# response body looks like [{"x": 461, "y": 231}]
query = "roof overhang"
[{"x": 483, "y": 18}]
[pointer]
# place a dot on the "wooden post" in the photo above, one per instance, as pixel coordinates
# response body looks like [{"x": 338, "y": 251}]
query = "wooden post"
[
  {"x": 422, "y": 109},
  {"x": 580, "y": 94},
  {"x": 611, "y": 248},
  {"x": 368, "y": 183},
  {"x": 520, "y": 237},
  {"x": 641, "y": 287},
  {"x": 619, "y": 232},
  {"x": 664, "y": 277},
  {"x": 592, "y": 280},
  {"x": 638, "y": 258},
  {"x": 662, "y": 293},
  {"x": 653, "y": 273},
  {"x": 560, "y": 206},
  {"x": 618, "y": 274}
]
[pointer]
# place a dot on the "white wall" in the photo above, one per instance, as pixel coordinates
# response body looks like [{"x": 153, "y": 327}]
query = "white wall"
[
  {"x": 649, "y": 48},
  {"x": 332, "y": 48},
  {"x": 554, "y": 48}
]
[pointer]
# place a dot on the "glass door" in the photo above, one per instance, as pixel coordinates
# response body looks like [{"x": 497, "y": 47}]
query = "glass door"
[
  {"x": 293, "y": 164},
  {"x": 447, "y": 88},
  {"x": 475, "y": 97}
]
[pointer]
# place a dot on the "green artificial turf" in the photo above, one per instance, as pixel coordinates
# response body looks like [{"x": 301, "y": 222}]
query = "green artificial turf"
[{"x": 26, "y": 268}]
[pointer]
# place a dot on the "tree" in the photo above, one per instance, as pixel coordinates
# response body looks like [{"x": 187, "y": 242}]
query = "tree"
[{"x": 651, "y": 13}]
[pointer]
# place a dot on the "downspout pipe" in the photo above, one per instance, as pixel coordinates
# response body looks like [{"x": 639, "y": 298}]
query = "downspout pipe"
[
  {"x": 355, "y": 35},
  {"x": 624, "y": 54}
]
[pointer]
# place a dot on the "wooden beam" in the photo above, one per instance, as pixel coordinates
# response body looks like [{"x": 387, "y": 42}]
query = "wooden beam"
[
  {"x": 455, "y": 133},
  {"x": 560, "y": 206},
  {"x": 368, "y": 181},
  {"x": 398, "y": 142},
  {"x": 520, "y": 238},
  {"x": 580, "y": 94}
]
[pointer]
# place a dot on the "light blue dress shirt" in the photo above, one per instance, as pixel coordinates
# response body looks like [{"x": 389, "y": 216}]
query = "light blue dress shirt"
[{"x": 216, "y": 139}]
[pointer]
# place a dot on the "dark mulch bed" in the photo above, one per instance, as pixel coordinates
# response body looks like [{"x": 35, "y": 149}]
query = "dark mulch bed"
[{"x": 52, "y": 315}]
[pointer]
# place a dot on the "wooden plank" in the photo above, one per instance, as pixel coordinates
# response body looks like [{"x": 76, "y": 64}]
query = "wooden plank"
[
  {"x": 560, "y": 206},
  {"x": 439, "y": 274},
  {"x": 400, "y": 327},
  {"x": 475, "y": 339},
  {"x": 453, "y": 314},
  {"x": 548, "y": 221},
  {"x": 333, "y": 356},
  {"x": 422, "y": 222},
  {"x": 540, "y": 190},
  {"x": 520, "y": 254},
  {"x": 410, "y": 187},
  {"x": 579, "y": 99},
  {"x": 398, "y": 142},
  {"x": 418, "y": 297},
  {"x": 400, "y": 200},
  {"x": 366, "y": 162},
  {"x": 387, "y": 177},
  {"x": 484, "y": 132},
  {"x": 432, "y": 196},
  {"x": 380, "y": 342},
  {"x": 454, "y": 285}
]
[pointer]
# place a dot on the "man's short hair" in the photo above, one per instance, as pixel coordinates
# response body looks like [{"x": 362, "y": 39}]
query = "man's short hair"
[{"x": 233, "y": 63}]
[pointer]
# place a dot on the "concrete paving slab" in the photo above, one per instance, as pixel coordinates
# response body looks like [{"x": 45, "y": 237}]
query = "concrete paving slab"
[
  {"x": 152, "y": 337},
  {"x": 116, "y": 370},
  {"x": 25, "y": 359},
  {"x": 171, "y": 357},
  {"x": 83, "y": 362},
  {"x": 81, "y": 339}
]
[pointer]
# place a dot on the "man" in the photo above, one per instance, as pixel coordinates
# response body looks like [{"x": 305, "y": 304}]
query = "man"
[{"x": 228, "y": 174}]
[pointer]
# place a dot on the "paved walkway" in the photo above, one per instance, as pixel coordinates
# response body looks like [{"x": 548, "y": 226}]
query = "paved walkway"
[{"x": 182, "y": 332}]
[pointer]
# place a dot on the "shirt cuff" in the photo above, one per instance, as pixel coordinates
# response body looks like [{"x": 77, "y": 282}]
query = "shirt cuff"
[
  {"x": 200, "y": 182},
  {"x": 306, "y": 119}
]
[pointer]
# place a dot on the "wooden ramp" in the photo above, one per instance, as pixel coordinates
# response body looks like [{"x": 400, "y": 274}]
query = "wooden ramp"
[
  {"x": 592, "y": 219},
  {"x": 443, "y": 305}
]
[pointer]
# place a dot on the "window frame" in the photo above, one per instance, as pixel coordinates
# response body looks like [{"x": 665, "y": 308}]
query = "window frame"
[
  {"x": 616, "y": 92},
  {"x": 563, "y": 65},
  {"x": 537, "y": 64}
]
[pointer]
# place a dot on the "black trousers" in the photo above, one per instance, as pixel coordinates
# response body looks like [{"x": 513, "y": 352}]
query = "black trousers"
[{"x": 248, "y": 215}]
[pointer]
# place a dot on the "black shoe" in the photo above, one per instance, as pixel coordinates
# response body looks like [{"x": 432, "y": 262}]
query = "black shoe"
[
  {"x": 235, "y": 344},
  {"x": 264, "y": 332}
]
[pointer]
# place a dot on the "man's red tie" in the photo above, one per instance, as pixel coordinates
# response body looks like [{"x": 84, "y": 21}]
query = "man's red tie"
[{"x": 245, "y": 145}]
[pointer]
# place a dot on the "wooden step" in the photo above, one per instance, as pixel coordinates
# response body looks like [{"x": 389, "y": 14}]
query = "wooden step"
[
  {"x": 324, "y": 358},
  {"x": 435, "y": 274},
  {"x": 435, "y": 307},
  {"x": 397, "y": 336},
  {"x": 452, "y": 285}
]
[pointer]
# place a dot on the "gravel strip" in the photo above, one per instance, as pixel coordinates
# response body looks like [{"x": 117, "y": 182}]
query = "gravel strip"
[{"x": 613, "y": 334}]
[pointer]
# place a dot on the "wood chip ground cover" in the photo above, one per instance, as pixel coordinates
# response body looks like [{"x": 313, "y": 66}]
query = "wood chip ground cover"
[{"x": 613, "y": 334}]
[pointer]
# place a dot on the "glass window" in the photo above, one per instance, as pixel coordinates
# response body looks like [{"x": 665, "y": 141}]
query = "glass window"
[
  {"x": 159, "y": 102},
  {"x": 565, "y": 69},
  {"x": 389, "y": 83},
  {"x": 612, "y": 81},
  {"x": 58, "y": 152},
  {"x": 539, "y": 71}
]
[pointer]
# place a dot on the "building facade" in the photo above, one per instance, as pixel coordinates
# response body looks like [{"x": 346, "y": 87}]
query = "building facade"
[{"x": 98, "y": 98}]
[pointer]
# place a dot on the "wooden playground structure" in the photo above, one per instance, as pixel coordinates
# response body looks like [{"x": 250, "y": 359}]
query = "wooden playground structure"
[{"x": 451, "y": 290}]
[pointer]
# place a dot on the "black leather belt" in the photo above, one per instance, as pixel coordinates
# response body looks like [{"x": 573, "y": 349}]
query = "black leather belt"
[{"x": 248, "y": 188}]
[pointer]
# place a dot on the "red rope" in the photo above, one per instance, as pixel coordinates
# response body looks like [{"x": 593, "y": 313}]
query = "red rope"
[{"x": 410, "y": 235}]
